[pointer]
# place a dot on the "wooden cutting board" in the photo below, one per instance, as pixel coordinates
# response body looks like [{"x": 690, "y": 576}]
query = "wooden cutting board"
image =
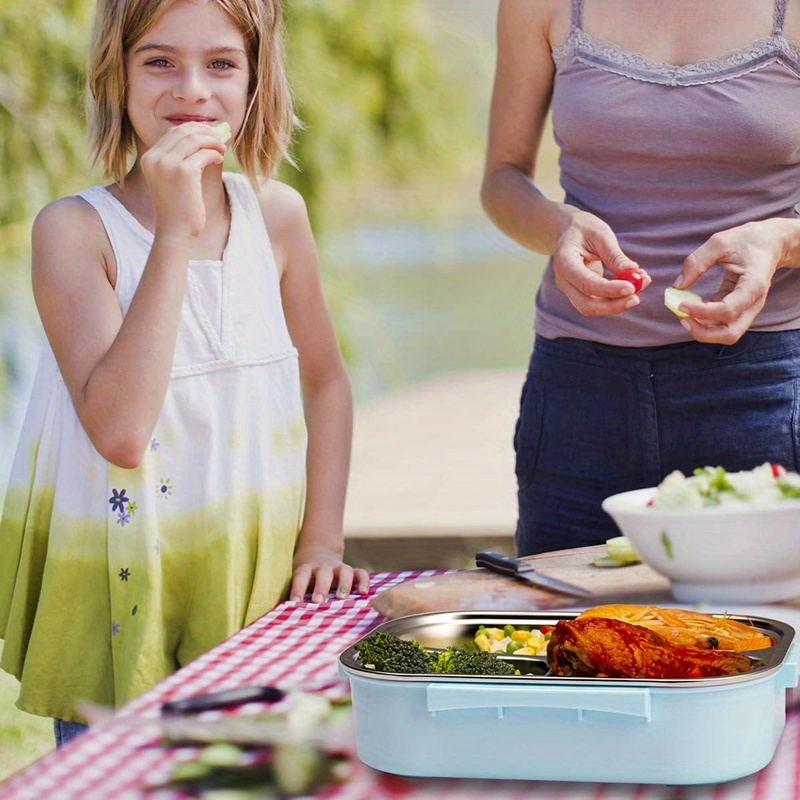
[{"x": 482, "y": 590}]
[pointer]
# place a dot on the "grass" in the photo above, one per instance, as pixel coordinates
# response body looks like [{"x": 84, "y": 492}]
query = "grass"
[{"x": 24, "y": 738}]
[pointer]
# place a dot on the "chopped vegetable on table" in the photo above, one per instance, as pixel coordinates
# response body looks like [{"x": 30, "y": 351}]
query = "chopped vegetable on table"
[{"x": 619, "y": 553}]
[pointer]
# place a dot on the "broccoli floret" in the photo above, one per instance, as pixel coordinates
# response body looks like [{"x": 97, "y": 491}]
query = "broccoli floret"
[
  {"x": 458, "y": 661},
  {"x": 388, "y": 653}
]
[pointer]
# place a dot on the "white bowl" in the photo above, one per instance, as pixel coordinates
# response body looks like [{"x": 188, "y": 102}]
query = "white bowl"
[{"x": 724, "y": 554}]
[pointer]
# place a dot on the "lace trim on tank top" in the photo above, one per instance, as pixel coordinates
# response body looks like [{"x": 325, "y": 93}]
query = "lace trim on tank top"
[{"x": 610, "y": 57}]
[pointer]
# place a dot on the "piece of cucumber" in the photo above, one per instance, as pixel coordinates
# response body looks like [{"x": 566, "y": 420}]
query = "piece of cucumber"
[
  {"x": 619, "y": 553},
  {"x": 674, "y": 297},
  {"x": 222, "y": 131},
  {"x": 607, "y": 561}
]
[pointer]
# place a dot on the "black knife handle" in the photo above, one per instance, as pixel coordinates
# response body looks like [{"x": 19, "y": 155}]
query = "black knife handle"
[
  {"x": 497, "y": 562},
  {"x": 227, "y": 699}
]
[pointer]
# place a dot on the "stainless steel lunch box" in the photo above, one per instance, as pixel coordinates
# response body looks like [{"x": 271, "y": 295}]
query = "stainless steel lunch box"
[{"x": 537, "y": 726}]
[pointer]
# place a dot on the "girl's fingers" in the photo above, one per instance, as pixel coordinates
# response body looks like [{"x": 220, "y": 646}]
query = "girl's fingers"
[
  {"x": 320, "y": 580},
  {"x": 177, "y": 145},
  {"x": 361, "y": 579},
  {"x": 344, "y": 580},
  {"x": 300, "y": 581},
  {"x": 323, "y": 578},
  {"x": 201, "y": 159}
]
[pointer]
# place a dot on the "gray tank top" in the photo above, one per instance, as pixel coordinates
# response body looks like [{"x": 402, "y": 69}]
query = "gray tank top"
[{"x": 668, "y": 155}]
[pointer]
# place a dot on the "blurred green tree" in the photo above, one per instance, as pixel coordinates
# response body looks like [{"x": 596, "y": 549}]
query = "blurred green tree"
[
  {"x": 379, "y": 106},
  {"x": 42, "y": 142}
]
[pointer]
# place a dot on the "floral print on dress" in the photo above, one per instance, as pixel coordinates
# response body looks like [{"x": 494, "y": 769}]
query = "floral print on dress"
[
  {"x": 118, "y": 500},
  {"x": 124, "y": 574},
  {"x": 114, "y": 628},
  {"x": 164, "y": 488},
  {"x": 154, "y": 445}
]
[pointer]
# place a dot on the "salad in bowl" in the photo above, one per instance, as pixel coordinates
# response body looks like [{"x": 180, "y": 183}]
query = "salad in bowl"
[
  {"x": 713, "y": 486},
  {"x": 720, "y": 537}
]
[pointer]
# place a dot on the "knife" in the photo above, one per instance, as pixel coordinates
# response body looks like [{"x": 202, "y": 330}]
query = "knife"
[
  {"x": 225, "y": 699},
  {"x": 242, "y": 695},
  {"x": 526, "y": 571}
]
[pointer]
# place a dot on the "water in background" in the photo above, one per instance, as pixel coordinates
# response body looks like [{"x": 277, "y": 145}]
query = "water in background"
[
  {"x": 410, "y": 302},
  {"x": 421, "y": 302}
]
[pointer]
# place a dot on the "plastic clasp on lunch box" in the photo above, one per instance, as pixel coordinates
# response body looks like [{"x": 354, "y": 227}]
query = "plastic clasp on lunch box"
[
  {"x": 629, "y": 702},
  {"x": 789, "y": 675}
]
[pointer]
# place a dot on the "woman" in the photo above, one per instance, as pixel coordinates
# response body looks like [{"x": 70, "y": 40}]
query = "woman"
[{"x": 679, "y": 133}]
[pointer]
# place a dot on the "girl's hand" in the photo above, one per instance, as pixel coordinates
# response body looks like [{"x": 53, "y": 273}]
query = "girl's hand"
[
  {"x": 584, "y": 248},
  {"x": 173, "y": 168},
  {"x": 749, "y": 255},
  {"x": 320, "y": 570}
]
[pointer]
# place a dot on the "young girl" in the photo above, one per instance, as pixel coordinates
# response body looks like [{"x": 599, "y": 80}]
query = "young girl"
[{"x": 182, "y": 466}]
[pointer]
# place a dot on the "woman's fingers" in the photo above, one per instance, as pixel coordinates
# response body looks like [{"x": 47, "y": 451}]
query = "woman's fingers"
[{"x": 582, "y": 281}]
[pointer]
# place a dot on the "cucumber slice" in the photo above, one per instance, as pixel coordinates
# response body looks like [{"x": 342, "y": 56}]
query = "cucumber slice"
[
  {"x": 620, "y": 549},
  {"x": 674, "y": 297},
  {"x": 607, "y": 561},
  {"x": 222, "y": 131}
]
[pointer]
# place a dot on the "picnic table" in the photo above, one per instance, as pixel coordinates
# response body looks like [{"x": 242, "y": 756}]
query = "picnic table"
[{"x": 296, "y": 644}]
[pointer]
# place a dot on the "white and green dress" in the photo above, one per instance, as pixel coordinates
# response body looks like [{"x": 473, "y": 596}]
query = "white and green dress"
[{"x": 110, "y": 578}]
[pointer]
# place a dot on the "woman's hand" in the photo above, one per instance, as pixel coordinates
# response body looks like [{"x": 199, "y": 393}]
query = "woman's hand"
[
  {"x": 173, "y": 168},
  {"x": 749, "y": 255},
  {"x": 318, "y": 571},
  {"x": 584, "y": 248}
]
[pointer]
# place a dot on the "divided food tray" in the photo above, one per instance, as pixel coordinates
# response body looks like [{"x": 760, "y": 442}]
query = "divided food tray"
[{"x": 538, "y": 726}]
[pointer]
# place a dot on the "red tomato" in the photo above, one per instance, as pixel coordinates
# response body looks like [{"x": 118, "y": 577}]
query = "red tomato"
[
  {"x": 633, "y": 276},
  {"x": 777, "y": 470}
]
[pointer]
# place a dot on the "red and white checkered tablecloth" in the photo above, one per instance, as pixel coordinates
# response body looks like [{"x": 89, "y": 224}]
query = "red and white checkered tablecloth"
[{"x": 299, "y": 643}]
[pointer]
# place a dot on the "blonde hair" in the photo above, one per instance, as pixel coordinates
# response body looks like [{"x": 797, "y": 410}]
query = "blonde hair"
[{"x": 262, "y": 143}]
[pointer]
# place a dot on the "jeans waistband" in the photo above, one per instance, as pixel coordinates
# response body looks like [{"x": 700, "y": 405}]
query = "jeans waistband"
[{"x": 753, "y": 346}]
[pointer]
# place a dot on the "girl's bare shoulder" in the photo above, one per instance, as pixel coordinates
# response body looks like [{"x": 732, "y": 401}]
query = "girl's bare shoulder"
[
  {"x": 283, "y": 207},
  {"x": 286, "y": 217},
  {"x": 69, "y": 230}
]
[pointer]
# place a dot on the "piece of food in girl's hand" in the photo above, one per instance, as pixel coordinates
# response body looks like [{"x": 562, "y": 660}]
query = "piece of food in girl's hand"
[
  {"x": 222, "y": 131},
  {"x": 633, "y": 276},
  {"x": 674, "y": 297}
]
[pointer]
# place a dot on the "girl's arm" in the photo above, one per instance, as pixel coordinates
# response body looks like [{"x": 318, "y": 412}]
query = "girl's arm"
[
  {"x": 580, "y": 243},
  {"x": 117, "y": 369},
  {"x": 327, "y": 400}
]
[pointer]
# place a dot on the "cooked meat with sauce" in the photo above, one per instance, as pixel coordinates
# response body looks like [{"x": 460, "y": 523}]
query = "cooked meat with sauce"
[{"x": 610, "y": 648}]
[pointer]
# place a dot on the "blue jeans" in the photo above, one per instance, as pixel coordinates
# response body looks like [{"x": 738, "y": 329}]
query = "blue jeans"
[
  {"x": 66, "y": 731},
  {"x": 596, "y": 420}
]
